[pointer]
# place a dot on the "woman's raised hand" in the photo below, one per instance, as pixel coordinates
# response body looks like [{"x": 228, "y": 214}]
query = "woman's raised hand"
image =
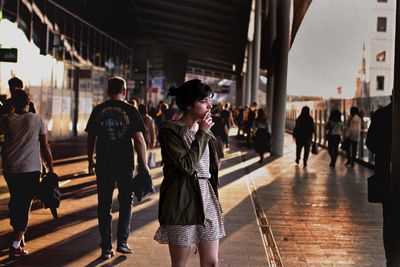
[{"x": 206, "y": 122}]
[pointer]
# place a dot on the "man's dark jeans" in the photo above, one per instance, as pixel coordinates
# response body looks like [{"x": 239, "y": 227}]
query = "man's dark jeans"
[
  {"x": 22, "y": 187},
  {"x": 106, "y": 180}
]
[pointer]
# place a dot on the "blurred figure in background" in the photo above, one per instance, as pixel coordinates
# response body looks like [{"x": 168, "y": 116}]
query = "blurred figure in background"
[
  {"x": 262, "y": 138},
  {"x": 133, "y": 102},
  {"x": 151, "y": 109},
  {"x": 303, "y": 133},
  {"x": 333, "y": 133},
  {"x": 149, "y": 134},
  {"x": 352, "y": 133},
  {"x": 252, "y": 114},
  {"x": 160, "y": 118},
  {"x": 219, "y": 129},
  {"x": 227, "y": 117}
]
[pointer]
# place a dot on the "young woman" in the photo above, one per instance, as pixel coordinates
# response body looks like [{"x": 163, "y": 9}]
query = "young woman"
[
  {"x": 189, "y": 210},
  {"x": 334, "y": 131}
]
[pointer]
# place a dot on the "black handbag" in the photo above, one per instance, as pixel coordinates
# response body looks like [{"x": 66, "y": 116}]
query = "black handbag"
[
  {"x": 375, "y": 189},
  {"x": 314, "y": 148},
  {"x": 345, "y": 145}
]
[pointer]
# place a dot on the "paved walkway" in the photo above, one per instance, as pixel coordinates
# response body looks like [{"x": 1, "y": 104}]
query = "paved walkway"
[{"x": 318, "y": 217}]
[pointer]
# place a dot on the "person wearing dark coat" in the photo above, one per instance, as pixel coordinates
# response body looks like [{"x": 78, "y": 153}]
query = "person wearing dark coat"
[
  {"x": 379, "y": 141},
  {"x": 189, "y": 211},
  {"x": 303, "y": 133},
  {"x": 219, "y": 129},
  {"x": 262, "y": 136},
  {"x": 334, "y": 132}
]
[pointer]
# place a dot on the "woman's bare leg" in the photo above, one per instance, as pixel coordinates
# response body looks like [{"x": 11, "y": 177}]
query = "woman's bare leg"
[
  {"x": 209, "y": 254},
  {"x": 179, "y": 255}
]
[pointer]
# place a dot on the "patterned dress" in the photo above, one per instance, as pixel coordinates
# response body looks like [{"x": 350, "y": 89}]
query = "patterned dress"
[{"x": 213, "y": 228}]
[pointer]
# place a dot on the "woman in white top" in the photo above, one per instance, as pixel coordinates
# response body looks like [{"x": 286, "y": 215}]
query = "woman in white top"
[
  {"x": 333, "y": 132},
  {"x": 353, "y": 130}
]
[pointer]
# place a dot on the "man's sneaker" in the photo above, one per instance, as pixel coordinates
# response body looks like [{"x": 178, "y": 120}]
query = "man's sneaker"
[
  {"x": 124, "y": 248},
  {"x": 107, "y": 254},
  {"x": 17, "y": 252}
]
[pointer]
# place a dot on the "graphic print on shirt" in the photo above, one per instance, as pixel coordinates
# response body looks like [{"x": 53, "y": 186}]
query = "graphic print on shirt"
[{"x": 113, "y": 123}]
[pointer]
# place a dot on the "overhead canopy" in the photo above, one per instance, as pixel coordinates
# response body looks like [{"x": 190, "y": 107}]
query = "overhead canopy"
[{"x": 212, "y": 34}]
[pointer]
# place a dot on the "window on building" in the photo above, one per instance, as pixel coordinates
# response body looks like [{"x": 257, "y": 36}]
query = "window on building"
[
  {"x": 383, "y": 1},
  {"x": 382, "y": 21},
  {"x": 380, "y": 83},
  {"x": 381, "y": 57}
]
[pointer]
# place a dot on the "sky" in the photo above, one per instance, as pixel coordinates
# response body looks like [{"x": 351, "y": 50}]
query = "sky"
[{"x": 327, "y": 50}]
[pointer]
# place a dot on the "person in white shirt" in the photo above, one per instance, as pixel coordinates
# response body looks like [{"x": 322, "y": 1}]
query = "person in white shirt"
[
  {"x": 25, "y": 141},
  {"x": 352, "y": 133}
]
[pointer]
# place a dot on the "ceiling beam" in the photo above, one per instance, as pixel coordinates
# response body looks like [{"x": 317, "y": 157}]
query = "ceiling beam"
[
  {"x": 187, "y": 31},
  {"x": 193, "y": 41},
  {"x": 189, "y": 21},
  {"x": 174, "y": 8}
]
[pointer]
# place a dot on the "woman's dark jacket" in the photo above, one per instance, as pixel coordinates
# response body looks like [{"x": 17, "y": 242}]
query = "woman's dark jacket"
[
  {"x": 304, "y": 129},
  {"x": 180, "y": 196}
]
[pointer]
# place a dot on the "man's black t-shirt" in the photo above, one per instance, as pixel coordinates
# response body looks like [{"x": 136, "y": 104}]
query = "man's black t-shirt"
[{"x": 113, "y": 123}]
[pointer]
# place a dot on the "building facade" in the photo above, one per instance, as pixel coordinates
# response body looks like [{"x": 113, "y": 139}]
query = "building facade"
[{"x": 381, "y": 67}]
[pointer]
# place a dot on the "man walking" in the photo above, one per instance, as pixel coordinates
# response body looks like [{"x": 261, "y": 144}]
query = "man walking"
[
  {"x": 112, "y": 126},
  {"x": 379, "y": 141}
]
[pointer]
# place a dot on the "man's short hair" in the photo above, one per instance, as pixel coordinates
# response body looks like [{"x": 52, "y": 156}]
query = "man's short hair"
[
  {"x": 15, "y": 83},
  {"x": 19, "y": 99},
  {"x": 115, "y": 85}
]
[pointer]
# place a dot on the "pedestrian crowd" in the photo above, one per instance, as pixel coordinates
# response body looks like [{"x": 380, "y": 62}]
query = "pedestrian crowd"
[{"x": 192, "y": 135}]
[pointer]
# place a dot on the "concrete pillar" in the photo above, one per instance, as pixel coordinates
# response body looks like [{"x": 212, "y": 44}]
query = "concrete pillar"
[
  {"x": 239, "y": 90},
  {"x": 280, "y": 83},
  {"x": 395, "y": 167},
  {"x": 271, "y": 24},
  {"x": 270, "y": 99},
  {"x": 175, "y": 66},
  {"x": 244, "y": 83},
  {"x": 249, "y": 72},
  {"x": 256, "y": 52}
]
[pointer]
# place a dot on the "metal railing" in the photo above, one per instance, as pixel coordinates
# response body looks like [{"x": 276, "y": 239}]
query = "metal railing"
[
  {"x": 320, "y": 110},
  {"x": 64, "y": 35}
]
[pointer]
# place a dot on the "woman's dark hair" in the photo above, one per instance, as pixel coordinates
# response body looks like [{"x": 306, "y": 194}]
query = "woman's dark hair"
[
  {"x": 335, "y": 115},
  {"x": 189, "y": 92},
  {"x": 261, "y": 117},
  {"x": 305, "y": 111},
  {"x": 354, "y": 111},
  {"x": 19, "y": 99}
]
